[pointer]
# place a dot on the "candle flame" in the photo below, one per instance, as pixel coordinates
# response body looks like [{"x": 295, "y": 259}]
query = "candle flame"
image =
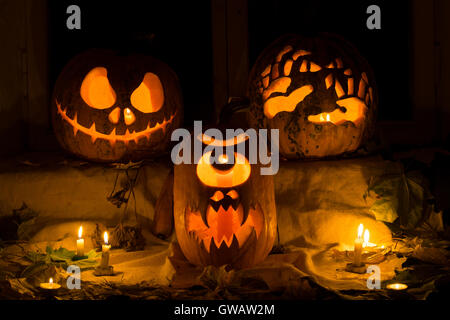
[
  {"x": 128, "y": 111},
  {"x": 360, "y": 230},
  {"x": 105, "y": 237},
  {"x": 366, "y": 238},
  {"x": 328, "y": 117},
  {"x": 50, "y": 280},
  {"x": 321, "y": 118},
  {"x": 223, "y": 158},
  {"x": 80, "y": 232},
  {"x": 397, "y": 286}
]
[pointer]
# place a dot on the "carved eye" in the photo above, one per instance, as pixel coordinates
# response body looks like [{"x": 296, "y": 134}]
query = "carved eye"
[
  {"x": 211, "y": 141},
  {"x": 233, "y": 194},
  {"x": 231, "y": 177},
  {"x": 96, "y": 90},
  {"x": 149, "y": 96}
]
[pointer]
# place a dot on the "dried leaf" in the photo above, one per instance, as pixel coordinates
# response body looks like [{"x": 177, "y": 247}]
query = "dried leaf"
[
  {"x": 129, "y": 238},
  {"x": 21, "y": 286},
  {"x": 434, "y": 223},
  {"x": 399, "y": 196},
  {"x": 431, "y": 255},
  {"x": 213, "y": 277},
  {"x": 29, "y": 163},
  {"x": 126, "y": 166}
]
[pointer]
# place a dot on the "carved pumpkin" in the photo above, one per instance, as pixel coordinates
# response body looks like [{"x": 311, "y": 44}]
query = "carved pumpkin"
[
  {"x": 111, "y": 108},
  {"x": 318, "y": 91},
  {"x": 224, "y": 213}
]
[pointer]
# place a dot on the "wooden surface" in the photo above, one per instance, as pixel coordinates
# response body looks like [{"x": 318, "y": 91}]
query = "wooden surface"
[
  {"x": 24, "y": 107},
  {"x": 230, "y": 50},
  {"x": 24, "y": 121}
]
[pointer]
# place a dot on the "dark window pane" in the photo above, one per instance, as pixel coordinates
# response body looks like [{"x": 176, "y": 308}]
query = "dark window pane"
[
  {"x": 176, "y": 33},
  {"x": 387, "y": 50}
]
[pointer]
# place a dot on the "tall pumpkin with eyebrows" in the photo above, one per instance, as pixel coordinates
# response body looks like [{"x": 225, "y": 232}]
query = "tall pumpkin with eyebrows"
[
  {"x": 318, "y": 91},
  {"x": 112, "y": 108},
  {"x": 224, "y": 212}
]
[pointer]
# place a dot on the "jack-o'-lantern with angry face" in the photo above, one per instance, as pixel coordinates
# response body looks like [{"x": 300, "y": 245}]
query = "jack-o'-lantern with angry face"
[
  {"x": 112, "y": 108},
  {"x": 318, "y": 91},
  {"x": 224, "y": 211}
]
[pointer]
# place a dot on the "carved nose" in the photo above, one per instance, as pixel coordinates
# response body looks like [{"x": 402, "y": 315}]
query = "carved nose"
[
  {"x": 114, "y": 116},
  {"x": 129, "y": 117}
]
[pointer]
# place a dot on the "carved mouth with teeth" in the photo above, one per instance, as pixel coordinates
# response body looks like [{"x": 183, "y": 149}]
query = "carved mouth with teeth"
[
  {"x": 225, "y": 224},
  {"x": 224, "y": 209},
  {"x": 112, "y": 137}
]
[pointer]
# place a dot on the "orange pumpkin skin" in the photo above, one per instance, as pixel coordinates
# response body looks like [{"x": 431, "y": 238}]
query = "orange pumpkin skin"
[
  {"x": 118, "y": 131},
  {"x": 318, "y": 91},
  {"x": 252, "y": 239}
]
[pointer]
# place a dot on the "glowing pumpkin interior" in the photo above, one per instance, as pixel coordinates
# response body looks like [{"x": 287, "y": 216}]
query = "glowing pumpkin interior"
[
  {"x": 225, "y": 223},
  {"x": 225, "y": 227},
  {"x": 97, "y": 92},
  {"x": 213, "y": 177},
  {"x": 276, "y": 80},
  {"x": 230, "y": 172},
  {"x": 149, "y": 96}
]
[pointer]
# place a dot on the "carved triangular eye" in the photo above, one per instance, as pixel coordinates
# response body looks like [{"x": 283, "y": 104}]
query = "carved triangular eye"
[
  {"x": 149, "y": 96},
  {"x": 96, "y": 90}
]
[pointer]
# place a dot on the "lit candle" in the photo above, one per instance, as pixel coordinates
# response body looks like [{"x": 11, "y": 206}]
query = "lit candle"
[
  {"x": 80, "y": 243},
  {"x": 50, "y": 285},
  {"x": 223, "y": 158},
  {"x": 396, "y": 286},
  {"x": 105, "y": 252},
  {"x": 129, "y": 116},
  {"x": 366, "y": 238},
  {"x": 358, "y": 246}
]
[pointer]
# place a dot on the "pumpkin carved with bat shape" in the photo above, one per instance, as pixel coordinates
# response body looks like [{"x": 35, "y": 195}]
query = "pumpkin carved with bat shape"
[
  {"x": 318, "y": 91},
  {"x": 116, "y": 108},
  {"x": 224, "y": 211}
]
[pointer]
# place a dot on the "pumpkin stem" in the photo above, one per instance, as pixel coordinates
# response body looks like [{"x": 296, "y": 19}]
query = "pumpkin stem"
[{"x": 235, "y": 105}]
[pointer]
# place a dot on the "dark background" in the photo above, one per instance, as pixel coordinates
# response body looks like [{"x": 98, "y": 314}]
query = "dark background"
[
  {"x": 212, "y": 44},
  {"x": 179, "y": 33},
  {"x": 387, "y": 50}
]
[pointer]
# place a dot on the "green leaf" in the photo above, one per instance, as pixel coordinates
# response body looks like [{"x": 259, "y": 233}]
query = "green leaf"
[
  {"x": 411, "y": 196},
  {"x": 62, "y": 257},
  {"x": 384, "y": 210},
  {"x": 398, "y": 196}
]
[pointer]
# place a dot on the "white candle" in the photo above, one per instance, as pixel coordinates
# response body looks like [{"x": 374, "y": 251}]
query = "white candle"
[
  {"x": 358, "y": 246},
  {"x": 105, "y": 252},
  {"x": 80, "y": 243}
]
